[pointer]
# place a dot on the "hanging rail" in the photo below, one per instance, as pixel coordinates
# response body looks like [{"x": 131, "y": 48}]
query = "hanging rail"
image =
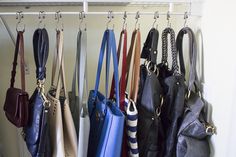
[{"x": 98, "y": 13}]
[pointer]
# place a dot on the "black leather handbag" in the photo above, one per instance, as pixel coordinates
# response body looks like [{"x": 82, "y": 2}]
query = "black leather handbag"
[
  {"x": 150, "y": 131},
  {"x": 195, "y": 130},
  {"x": 36, "y": 132},
  {"x": 174, "y": 92}
]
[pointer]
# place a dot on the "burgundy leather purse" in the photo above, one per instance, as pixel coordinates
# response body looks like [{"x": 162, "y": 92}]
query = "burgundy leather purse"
[{"x": 16, "y": 102}]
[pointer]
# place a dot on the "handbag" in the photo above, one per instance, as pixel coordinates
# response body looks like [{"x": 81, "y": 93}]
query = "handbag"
[
  {"x": 174, "y": 92},
  {"x": 106, "y": 119},
  {"x": 150, "y": 130},
  {"x": 123, "y": 94},
  {"x": 62, "y": 129},
  {"x": 17, "y": 100},
  {"x": 195, "y": 130},
  {"x": 84, "y": 123},
  {"x": 37, "y": 130}
]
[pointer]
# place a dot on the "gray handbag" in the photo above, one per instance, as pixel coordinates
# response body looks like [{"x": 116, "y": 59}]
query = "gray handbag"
[{"x": 195, "y": 130}]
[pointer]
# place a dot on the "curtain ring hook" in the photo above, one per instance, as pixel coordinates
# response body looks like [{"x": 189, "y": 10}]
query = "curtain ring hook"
[
  {"x": 185, "y": 18},
  {"x": 156, "y": 16},
  {"x": 58, "y": 16},
  {"x": 168, "y": 19},
  {"x": 125, "y": 23},
  {"x": 19, "y": 17},
  {"x": 81, "y": 17},
  {"x": 137, "y": 18},
  {"x": 110, "y": 16},
  {"x": 41, "y": 17}
]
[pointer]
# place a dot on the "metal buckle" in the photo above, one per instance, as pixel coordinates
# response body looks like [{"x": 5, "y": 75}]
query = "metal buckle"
[{"x": 210, "y": 130}]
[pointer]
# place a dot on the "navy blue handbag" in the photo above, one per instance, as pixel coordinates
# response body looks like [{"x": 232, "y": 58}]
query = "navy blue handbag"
[
  {"x": 37, "y": 130},
  {"x": 106, "y": 118}
]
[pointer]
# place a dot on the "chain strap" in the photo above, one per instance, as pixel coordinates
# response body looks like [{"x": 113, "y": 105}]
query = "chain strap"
[{"x": 165, "y": 33}]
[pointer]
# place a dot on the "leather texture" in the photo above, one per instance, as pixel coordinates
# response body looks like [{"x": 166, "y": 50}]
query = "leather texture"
[
  {"x": 62, "y": 130},
  {"x": 17, "y": 100},
  {"x": 150, "y": 130},
  {"x": 37, "y": 130},
  {"x": 122, "y": 42},
  {"x": 174, "y": 94},
  {"x": 193, "y": 134},
  {"x": 106, "y": 119}
]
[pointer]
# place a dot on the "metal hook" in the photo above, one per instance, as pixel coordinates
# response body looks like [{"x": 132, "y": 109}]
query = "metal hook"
[
  {"x": 19, "y": 17},
  {"x": 110, "y": 16},
  {"x": 41, "y": 17},
  {"x": 58, "y": 16},
  {"x": 137, "y": 18},
  {"x": 156, "y": 16},
  {"x": 81, "y": 17},
  {"x": 168, "y": 19},
  {"x": 124, "y": 23},
  {"x": 185, "y": 18}
]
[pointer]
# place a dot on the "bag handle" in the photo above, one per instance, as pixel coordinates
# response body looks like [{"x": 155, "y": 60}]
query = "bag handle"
[
  {"x": 19, "y": 49},
  {"x": 136, "y": 68},
  {"x": 109, "y": 42},
  {"x": 59, "y": 56},
  {"x": 165, "y": 33},
  {"x": 193, "y": 78},
  {"x": 82, "y": 73},
  {"x": 122, "y": 41},
  {"x": 149, "y": 51},
  {"x": 41, "y": 49}
]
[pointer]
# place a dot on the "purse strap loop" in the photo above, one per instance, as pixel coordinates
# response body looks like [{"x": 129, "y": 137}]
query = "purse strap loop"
[{"x": 19, "y": 49}]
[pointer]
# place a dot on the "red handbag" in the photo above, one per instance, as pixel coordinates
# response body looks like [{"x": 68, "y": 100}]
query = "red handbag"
[{"x": 17, "y": 100}]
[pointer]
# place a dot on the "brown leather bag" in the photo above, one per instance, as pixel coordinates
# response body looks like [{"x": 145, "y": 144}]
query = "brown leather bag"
[{"x": 17, "y": 100}]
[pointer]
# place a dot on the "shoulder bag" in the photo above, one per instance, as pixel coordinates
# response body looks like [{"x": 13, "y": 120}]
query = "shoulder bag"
[
  {"x": 37, "y": 130},
  {"x": 174, "y": 93},
  {"x": 150, "y": 131},
  {"x": 106, "y": 119},
  {"x": 17, "y": 100},
  {"x": 195, "y": 130},
  {"x": 62, "y": 129}
]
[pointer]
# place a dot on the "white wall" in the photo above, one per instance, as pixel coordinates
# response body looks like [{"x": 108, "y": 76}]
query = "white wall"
[{"x": 218, "y": 24}]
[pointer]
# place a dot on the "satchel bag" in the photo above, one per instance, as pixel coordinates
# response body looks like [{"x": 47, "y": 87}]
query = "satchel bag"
[
  {"x": 106, "y": 119},
  {"x": 17, "y": 100},
  {"x": 150, "y": 130},
  {"x": 195, "y": 130},
  {"x": 62, "y": 129},
  {"x": 37, "y": 130}
]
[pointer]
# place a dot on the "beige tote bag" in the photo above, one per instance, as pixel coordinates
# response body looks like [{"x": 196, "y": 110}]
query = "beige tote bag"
[{"x": 62, "y": 129}]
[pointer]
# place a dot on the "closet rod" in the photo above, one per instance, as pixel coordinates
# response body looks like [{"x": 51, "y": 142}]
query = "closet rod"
[{"x": 96, "y": 13}]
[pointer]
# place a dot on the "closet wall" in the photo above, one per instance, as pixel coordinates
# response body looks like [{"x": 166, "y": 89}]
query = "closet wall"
[{"x": 10, "y": 140}]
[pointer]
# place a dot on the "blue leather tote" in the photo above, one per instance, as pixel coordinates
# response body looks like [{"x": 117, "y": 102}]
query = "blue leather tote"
[{"x": 106, "y": 118}]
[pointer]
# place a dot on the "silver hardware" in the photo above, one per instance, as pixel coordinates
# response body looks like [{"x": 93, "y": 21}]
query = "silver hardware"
[
  {"x": 110, "y": 16},
  {"x": 137, "y": 16},
  {"x": 185, "y": 18},
  {"x": 58, "y": 16},
  {"x": 41, "y": 18},
  {"x": 81, "y": 17},
  {"x": 156, "y": 16},
  {"x": 19, "y": 17},
  {"x": 168, "y": 19},
  {"x": 125, "y": 23}
]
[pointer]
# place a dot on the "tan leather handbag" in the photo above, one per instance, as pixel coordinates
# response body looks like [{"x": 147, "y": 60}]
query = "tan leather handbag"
[{"x": 62, "y": 129}]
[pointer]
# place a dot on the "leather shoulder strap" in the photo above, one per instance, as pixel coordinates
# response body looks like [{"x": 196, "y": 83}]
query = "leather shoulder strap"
[
  {"x": 19, "y": 49},
  {"x": 136, "y": 69},
  {"x": 122, "y": 41},
  {"x": 149, "y": 51}
]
